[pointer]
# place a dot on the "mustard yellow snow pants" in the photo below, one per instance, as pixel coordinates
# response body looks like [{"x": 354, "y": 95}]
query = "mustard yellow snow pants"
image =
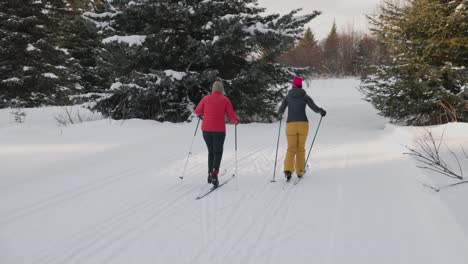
[{"x": 296, "y": 133}]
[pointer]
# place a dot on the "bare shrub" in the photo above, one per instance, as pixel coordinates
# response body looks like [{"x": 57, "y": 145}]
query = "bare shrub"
[
  {"x": 72, "y": 115},
  {"x": 19, "y": 115},
  {"x": 428, "y": 155}
]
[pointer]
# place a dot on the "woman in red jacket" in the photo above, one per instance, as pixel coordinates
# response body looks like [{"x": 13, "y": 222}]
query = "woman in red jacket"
[{"x": 213, "y": 108}]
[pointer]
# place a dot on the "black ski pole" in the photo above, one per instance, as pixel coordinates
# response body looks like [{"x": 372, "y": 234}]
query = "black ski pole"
[
  {"x": 190, "y": 150},
  {"x": 276, "y": 157},
  {"x": 311, "y": 145}
]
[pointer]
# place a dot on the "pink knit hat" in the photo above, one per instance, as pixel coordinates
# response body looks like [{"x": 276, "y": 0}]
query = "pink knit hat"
[{"x": 297, "y": 82}]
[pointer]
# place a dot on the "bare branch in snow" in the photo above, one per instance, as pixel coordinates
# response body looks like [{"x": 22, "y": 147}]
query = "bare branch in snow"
[
  {"x": 19, "y": 115},
  {"x": 428, "y": 153},
  {"x": 70, "y": 117},
  {"x": 464, "y": 152},
  {"x": 458, "y": 161}
]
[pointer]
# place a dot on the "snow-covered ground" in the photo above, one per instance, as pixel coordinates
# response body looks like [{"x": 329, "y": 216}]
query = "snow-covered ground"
[{"x": 109, "y": 192}]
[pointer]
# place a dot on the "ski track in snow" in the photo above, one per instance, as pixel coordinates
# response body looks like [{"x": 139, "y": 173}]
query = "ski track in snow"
[
  {"x": 336, "y": 215},
  {"x": 63, "y": 197},
  {"x": 359, "y": 202}
]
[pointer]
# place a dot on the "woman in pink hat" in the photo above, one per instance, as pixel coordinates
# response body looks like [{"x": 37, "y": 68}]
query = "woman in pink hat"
[{"x": 297, "y": 127}]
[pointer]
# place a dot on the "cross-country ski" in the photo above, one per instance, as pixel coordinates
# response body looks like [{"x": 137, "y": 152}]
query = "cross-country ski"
[{"x": 214, "y": 188}]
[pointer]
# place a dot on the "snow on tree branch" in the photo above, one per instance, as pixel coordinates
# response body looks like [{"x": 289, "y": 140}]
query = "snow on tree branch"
[{"x": 134, "y": 40}]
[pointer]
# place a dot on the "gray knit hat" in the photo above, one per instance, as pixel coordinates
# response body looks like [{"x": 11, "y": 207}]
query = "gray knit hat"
[{"x": 218, "y": 86}]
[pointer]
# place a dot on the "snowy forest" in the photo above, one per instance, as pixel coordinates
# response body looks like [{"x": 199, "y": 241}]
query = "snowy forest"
[
  {"x": 156, "y": 59},
  {"x": 145, "y": 59}
]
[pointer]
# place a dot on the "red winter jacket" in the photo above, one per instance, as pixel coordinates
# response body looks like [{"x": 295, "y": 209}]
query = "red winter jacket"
[{"x": 213, "y": 107}]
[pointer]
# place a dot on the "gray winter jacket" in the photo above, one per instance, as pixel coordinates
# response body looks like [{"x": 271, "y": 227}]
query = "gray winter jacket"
[{"x": 296, "y": 101}]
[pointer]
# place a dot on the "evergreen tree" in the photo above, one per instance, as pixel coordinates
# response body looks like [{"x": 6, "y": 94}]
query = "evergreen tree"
[
  {"x": 89, "y": 5},
  {"x": 331, "y": 53},
  {"x": 366, "y": 54},
  {"x": 306, "y": 54},
  {"x": 308, "y": 39},
  {"x": 168, "y": 54},
  {"x": 34, "y": 70},
  {"x": 310, "y": 51},
  {"x": 428, "y": 42},
  {"x": 84, "y": 44}
]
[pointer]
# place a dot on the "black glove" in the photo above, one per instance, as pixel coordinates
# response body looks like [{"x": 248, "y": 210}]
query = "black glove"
[
  {"x": 323, "y": 112},
  {"x": 280, "y": 115},
  {"x": 200, "y": 116}
]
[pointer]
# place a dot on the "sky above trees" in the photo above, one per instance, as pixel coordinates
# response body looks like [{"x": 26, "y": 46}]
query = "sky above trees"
[{"x": 345, "y": 12}]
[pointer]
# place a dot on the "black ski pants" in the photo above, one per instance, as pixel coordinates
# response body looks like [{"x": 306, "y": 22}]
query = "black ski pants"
[{"x": 214, "y": 142}]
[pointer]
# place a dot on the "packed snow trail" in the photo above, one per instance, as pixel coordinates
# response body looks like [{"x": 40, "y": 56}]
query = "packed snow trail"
[{"x": 109, "y": 192}]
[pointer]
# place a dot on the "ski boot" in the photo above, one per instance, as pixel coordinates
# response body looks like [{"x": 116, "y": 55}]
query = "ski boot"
[
  {"x": 288, "y": 175},
  {"x": 214, "y": 178},
  {"x": 210, "y": 177},
  {"x": 302, "y": 174}
]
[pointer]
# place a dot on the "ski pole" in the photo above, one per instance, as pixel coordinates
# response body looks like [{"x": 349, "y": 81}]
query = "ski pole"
[
  {"x": 190, "y": 150},
  {"x": 311, "y": 145},
  {"x": 236, "y": 146},
  {"x": 276, "y": 157}
]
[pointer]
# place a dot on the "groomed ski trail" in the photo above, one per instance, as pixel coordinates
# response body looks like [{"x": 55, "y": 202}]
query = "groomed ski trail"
[{"x": 359, "y": 202}]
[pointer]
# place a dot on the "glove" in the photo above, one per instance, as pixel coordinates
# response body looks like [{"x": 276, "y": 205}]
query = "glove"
[
  {"x": 323, "y": 112},
  {"x": 236, "y": 123},
  {"x": 280, "y": 115},
  {"x": 200, "y": 116}
]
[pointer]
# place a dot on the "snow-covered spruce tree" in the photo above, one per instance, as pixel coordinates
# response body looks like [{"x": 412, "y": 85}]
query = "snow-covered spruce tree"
[
  {"x": 427, "y": 41},
  {"x": 75, "y": 34},
  {"x": 169, "y": 53},
  {"x": 89, "y": 5},
  {"x": 34, "y": 69}
]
